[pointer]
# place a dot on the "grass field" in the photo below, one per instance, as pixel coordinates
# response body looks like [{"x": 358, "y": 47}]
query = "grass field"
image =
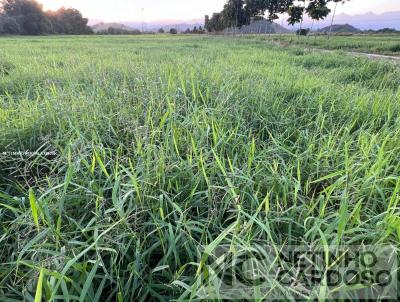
[
  {"x": 140, "y": 154},
  {"x": 376, "y": 44}
]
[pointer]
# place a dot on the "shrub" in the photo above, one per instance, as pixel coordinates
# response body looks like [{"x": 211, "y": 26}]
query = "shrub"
[
  {"x": 302, "y": 32},
  {"x": 173, "y": 31},
  {"x": 5, "y": 67}
]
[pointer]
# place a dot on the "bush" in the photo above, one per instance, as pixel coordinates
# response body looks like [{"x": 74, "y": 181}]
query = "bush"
[
  {"x": 302, "y": 32},
  {"x": 161, "y": 31},
  {"x": 119, "y": 31},
  {"x": 173, "y": 31}
]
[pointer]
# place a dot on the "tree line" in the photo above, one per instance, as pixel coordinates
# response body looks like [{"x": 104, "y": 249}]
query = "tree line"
[
  {"x": 195, "y": 30},
  {"x": 237, "y": 13},
  {"x": 27, "y": 17}
]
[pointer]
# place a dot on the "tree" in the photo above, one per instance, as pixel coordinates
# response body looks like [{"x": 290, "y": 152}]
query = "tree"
[
  {"x": 173, "y": 31},
  {"x": 258, "y": 8},
  {"x": 239, "y": 12},
  {"x": 234, "y": 14},
  {"x": 28, "y": 14},
  {"x": 68, "y": 21},
  {"x": 318, "y": 10},
  {"x": 334, "y": 14},
  {"x": 216, "y": 23},
  {"x": 295, "y": 14},
  {"x": 8, "y": 25},
  {"x": 161, "y": 31},
  {"x": 207, "y": 23},
  {"x": 302, "y": 32},
  {"x": 28, "y": 18}
]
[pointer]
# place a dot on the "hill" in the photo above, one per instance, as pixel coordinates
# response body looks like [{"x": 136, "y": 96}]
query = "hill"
[
  {"x": 362, "y": 21},
  {"x": 180, "y": 25},
  {"x": 340, "y": 28},
  {"x": 259, "y": 27},
  {"x": 105, "y": 26}
]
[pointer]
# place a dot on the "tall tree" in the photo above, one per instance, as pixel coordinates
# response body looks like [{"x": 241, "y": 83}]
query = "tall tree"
[
  {"x": 234, "y": 14},
  {"x": 8, "y": 25},
  {"x": 216, "y": 22},
  {"x": 207, "y": 23},
  {"x": 239, "y": 12},
  {"x": 28, "y": 18},
  {"x": 68, "y": 21},
  {"x": 334, "y": 14},
  {"x": 296, "y": 14},
  {"x": 271, "y": 7},
  {"x": 318, "y": 10},
  {"x": 28, "y": 14},
  {"x": 255, "y": 8}
]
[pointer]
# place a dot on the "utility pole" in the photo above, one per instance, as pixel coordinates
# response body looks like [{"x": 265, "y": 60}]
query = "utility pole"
[
  {"x": 236, "y": 21},
  {"x": 142, "y": 20}
]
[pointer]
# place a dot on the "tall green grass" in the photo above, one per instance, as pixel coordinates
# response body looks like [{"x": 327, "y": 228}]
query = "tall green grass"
[
  {"x": 376, "y": 44},
  {"x": 165, "y": 145}
]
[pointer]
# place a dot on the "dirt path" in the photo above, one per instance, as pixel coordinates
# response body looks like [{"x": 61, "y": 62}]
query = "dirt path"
[{"x": 372, "y": 56}]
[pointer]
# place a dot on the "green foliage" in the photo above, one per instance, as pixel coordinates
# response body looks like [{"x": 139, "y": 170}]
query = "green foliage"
[
  {"x": 166, "y": 147},
  {"x": 195, "y": 30},
  {"x": 9, "y": 25},
  {"x": 379, "y": 44},
  {"x": 302, "y": 32},
  {"x": 28, "y": 14},
  {"x": 234, "y": 14},
  {"x": 216, "y": 23},
  {"x": 318, "y": 10},
  {"x": 239, "y": 12},
  {"x": 27, "y": 17},
  {"x": 6, "y": 67},
  {"x": 296, "y": 14},
  {"x": 68, "y": 21}
]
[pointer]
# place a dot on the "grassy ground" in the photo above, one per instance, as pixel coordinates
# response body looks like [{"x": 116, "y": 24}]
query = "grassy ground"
[
  {"x": 376, "y": 44},
  {"x": 150, "y": 147}
]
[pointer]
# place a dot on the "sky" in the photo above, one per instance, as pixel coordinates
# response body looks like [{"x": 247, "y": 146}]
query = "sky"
[{"x": 131, "y": 10}]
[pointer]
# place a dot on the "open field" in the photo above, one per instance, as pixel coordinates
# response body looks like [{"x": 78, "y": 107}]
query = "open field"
[
  {"x": 150, "y": 149},
  {"x": 377, "y": 44}
]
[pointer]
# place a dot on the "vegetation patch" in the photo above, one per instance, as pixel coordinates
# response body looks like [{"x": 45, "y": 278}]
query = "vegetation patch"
[
  {"x": 6, "y": 67},
  {"x": 373, "y": 74},
  {"x": 328, "y": 61},
  {"x": 185, "y": 150}
]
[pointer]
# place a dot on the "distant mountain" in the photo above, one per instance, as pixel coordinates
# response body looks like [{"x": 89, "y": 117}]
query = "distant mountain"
[
  {"x": 363, "y": 22},
  {"x": 340, "y": 28},
  {"x": 148, "y": 27},
  {"x": 259, "y": 27},
  {"x": 105, "y": 26},
  {"x": 180, "y": 25}
]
